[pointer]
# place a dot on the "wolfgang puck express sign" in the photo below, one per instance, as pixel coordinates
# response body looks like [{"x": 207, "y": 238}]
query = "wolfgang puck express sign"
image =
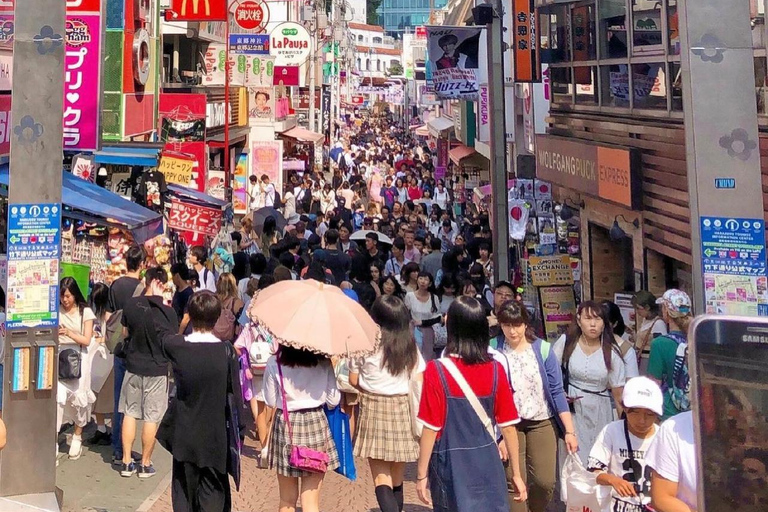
[{"x": 610, "y": 173}]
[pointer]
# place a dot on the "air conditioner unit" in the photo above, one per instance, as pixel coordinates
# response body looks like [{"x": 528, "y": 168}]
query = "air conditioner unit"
[
  {"x": 322, "y": 21},
  {"x": 307, "y": 13}
]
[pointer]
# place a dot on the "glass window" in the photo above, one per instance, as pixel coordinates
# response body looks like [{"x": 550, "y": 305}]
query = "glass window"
[
  {"x": 613, "y": 29},
  {"x": 677, "y": 86},
  {"x": 562, "y": 86},
  {"x": 614, "y": 85},
  {"x": 586, "y": 85},
  {"x": 650, "y": 85},
  {"x": 673, "y": 27},
  {"x": 554, "y": 30},
  {"x": 646, "y": 27},
  {"x": 584, "y": 47},
  {"x": 761, "y": 91},
  {"x": 758, "y": 26}
]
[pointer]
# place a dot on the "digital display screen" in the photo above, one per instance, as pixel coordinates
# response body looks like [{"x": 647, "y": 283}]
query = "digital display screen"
[{"x": 731, "y": 380}]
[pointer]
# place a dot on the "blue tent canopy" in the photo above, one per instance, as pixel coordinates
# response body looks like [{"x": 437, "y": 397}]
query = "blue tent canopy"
[
  {"x": 126, "y": 155},
  {"x": 197, "y": 197},
  {"x": 94, "y": 200}
]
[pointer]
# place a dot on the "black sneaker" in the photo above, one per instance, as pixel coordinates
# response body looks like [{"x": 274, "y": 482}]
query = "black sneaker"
[
  {"x": 117, "y": 458},
  {"x": 146, "y": 471},
  {"x": 128, "y": 470},
  {"x": 100, "y": 439}
]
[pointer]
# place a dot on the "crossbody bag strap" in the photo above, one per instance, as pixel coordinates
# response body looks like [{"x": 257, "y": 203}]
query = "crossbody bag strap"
[
  {"x": 470, "y": 395},
  {"x": 285, "y": 404}
]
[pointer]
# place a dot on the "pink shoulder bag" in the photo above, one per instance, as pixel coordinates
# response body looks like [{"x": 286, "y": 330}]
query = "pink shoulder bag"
[{"x": 302, "y": 457}]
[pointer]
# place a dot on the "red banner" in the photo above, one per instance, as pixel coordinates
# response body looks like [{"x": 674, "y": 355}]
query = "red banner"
[
  {"x": 286, "y": 75},
  {"x": 197, "y": 219},
  {"x": 5, "y": 125},
  {"x": 197, "y": 10}
]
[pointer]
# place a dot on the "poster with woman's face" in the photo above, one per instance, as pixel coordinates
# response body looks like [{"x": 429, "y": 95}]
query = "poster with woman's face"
[{"x": 261, "y": 104}]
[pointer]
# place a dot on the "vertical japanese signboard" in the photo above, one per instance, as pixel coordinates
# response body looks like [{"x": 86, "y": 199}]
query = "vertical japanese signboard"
[
  {"x": 34, "y": 245},
  {"x": 525, "y": 42}
]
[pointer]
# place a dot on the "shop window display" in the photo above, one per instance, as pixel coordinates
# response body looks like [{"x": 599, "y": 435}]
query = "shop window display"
[
  {"x": 615, "y": 85},
  {"x": 649, "y": 85},
  {"x": 613, "y": 29},
  {"x": 586, "y": 85}
]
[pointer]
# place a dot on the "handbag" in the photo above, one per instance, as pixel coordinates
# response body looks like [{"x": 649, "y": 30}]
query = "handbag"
[
  {"x": 338, "y": 422},
  {"x": 302, "y": 457},
  {"x": 71, "y": 360},
  {"x": 470, "y": 396}
]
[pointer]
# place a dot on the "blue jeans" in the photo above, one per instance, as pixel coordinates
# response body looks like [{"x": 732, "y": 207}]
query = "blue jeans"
[{"x": 117, "y": 418}]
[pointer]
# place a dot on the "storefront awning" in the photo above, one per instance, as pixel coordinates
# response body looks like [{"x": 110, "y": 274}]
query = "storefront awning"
[
  {"x": 303, "y": 135},
  {"x": 236, "y": 136},
  {"x": 197, "y": 197},
  {"x": 125, "y": 155},
  {"x": 421, "y": 131},
  {"x": 461, "y": 152},
  {"x": 439, "y": 126},
  {"x": 96, "y": 201}
]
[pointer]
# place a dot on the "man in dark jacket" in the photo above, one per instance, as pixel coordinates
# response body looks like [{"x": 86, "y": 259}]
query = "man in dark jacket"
[{"x": 336, "y": 261}]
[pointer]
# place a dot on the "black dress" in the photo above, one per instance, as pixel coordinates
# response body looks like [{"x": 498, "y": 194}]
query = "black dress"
[{"x": 194, "y": 428}]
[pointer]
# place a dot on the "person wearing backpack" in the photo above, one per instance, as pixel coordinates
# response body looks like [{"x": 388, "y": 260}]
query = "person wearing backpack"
[
  {"x": 535, "y": 377},
  {"x": 122, "y": 289},
  {"x": 226, "y": 328},
  {"x": 144, "y": 395},
  {"x": 197, "y": 258},
  {"x": 668, "y": 362}
]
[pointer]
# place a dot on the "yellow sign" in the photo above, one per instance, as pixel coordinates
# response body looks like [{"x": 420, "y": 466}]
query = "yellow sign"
[
  {"x": 176, "y": 170},
  {"x": 550, "y": 270}
]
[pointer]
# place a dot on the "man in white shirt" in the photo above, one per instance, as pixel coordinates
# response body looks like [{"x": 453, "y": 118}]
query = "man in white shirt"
[
  {"x": 672, "y": 456},
  {"x": 205, "y": 278},
  {"x": 268, "y": 190},
  {"x": 254, "y": 194}
]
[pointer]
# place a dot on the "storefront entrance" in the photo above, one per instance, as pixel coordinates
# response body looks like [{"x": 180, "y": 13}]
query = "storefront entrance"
[{"x": 611, "y": 264}]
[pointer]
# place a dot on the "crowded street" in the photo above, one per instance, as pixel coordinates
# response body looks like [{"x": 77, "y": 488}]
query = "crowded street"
[{"x": 383, "y": 256}]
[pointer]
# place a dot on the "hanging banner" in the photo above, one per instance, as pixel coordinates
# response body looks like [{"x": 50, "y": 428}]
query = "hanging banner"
[
  {"x": 193, "y": 218},
  {"x": 81, "y": 80},
  {"x": 454, "y": 61},
  {"x": 526, "y": 42},
  {"x": 261, "y": 104},
  {"x": 177, "y": 169},
  {"x": 240, "y": 185},
  {"x": 286, "y": 76},
  {"x": 260, "y": 71},
  {"x": 558, "y": 306},
  {"x": 83, "y": 168},
  {"x": 197, "y": 10},
  {"x": 325, "y": 109},
  {"x": 5, "y": 125}
]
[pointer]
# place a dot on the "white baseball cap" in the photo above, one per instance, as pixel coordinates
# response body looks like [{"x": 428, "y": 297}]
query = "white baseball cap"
[{"x": 643, "y": 393}]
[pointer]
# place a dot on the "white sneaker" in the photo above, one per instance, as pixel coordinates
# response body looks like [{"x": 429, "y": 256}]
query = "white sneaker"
[{"x": 76, "y": 447}]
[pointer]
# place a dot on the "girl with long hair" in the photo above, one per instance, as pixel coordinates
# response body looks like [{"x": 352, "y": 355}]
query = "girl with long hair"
[
  {"x": 424, "y": 305},
  {"x": 535, "y": 376},
  {"x": 102, "y": 366},
  {"x": 269, "y": 235},
  {"x": 649, "y": 325},
  {"x": 74, "y": 396},
  {"x": 384, "y": 434},
  {"x": 391, "y": 286},
  {"x": 408, "y": 276},
  {"x": 459, "y": 461},
  {"x": 592, "y": 370}
]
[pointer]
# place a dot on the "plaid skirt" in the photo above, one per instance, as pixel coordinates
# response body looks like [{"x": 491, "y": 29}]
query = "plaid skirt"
[
  {"x": 384, "y": 429},
  {"x": 310, "y": 429}
]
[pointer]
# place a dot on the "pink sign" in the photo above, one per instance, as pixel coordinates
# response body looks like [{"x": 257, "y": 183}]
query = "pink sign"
[{"x": 81, "y": 89}]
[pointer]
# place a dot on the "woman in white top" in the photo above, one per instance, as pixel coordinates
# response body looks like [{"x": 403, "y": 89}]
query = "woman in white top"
[
  {"x": 74, "y": 396},
  {"x": 592, "y": 369},
  {"x": 289, "y": 202},
  {"x": 651, "y": 327},
  {"x": 424, "y": 306},
  {"x": 306, "y": 384},
  {"x": 327, "y": 199},
  {"x": 402, "y": 191},
  {"x": 384, "y": 433},
  {"x": 626, "y": 349},
  {"x": 441, "y": 196}
]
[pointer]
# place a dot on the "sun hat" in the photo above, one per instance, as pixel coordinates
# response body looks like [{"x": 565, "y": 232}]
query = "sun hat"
[{"x": 643, "y": 393}]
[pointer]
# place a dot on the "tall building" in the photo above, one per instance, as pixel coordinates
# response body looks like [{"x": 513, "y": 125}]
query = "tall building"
[{"x": 397, "y": 16}]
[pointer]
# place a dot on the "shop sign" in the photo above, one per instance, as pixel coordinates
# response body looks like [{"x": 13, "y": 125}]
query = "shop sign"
[
  {"x": 182, "y": 117},
  {"x": 240, "y": 184},
  {"x": 249, "y": 44},
  {"x": 442, "y": 152},
  {"x": 193, "y": 218},
  {"x": 734, "y": 265},
  {"x": 34, "y": 249},
  {"x": 282, "y": 108},
  {"x": 358, "y": 99},
  {"x": 213, "y": 31},
  {"x": 215, "y": 185},
  {"x": 197, "y": 10},
  {"x": 81, "y": 91},
  {"x": 484, "y": 115},
  {"x": 7, "y": 29},
  {"x": 325, "y": 110},
  {"x": 6, "y": 72},
  {"x": 290, "y": 43},
  {"x": 535, "y": 109},
  {"x": 286, "y": 76},
  {"x": 302, "y": 99},
  {"x": 605, "y": 172},
  {"x": 121, "y": 184},
  {"x": 454, "y": 61},
  {"x": 251, "y": 15},
  {"x": 83, "y": 168},
  {"x": 550, "y": 270},
  {"x": 5, "y": 125},
  {"x": 525, "y": 42},
  {"x": 6, "y": 6},
  {"x": 558, "y": 306},
  {"x": 260, "y": 70},
  {"x": 176, "y": 169}
]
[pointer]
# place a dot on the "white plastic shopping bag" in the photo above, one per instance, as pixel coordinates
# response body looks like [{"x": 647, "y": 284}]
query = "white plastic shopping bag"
[{"x": 580, "y": 490}]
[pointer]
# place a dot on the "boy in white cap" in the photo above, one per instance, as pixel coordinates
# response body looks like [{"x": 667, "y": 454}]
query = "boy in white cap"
[{"x": 618, "y": 455}]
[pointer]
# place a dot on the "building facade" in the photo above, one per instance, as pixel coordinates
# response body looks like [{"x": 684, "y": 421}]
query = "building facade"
[
  {"x": 375, "y": 52},
  {"x": 399, "y": 16}
]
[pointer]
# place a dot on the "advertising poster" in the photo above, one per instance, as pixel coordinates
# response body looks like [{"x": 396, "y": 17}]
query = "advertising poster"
[
  {"x": 325, "y": 109},
  {"x": 193, "y": 218},
  {"x": 182, "y": 128},
  {"x": 267, "y": 158},
  {"x": 260, "y": 71},
  {"x": 215, "y": 185},
  {"x": 558, "y": 307},
  {"x": 81, "y": 90},
  {"x": 5, "y": 124},
  {"x": 240, "y": 185},
  {"x": 454, "y": 61},
  {"x": 261, "y": 104}
]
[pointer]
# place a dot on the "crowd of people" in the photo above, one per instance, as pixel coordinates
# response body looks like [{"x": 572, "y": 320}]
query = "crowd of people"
[{"x": 461, "y": 384}]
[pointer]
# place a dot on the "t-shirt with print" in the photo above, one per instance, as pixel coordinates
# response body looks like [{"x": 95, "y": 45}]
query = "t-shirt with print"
[
  {"x": 152, "y": 188},
  {"x": 611, "y": 454},
  {"x": 673, "y": 456},
  {"x": 433, "y": 407}
]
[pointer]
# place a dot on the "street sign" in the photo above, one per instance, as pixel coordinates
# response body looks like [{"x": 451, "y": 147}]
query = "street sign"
[{"x": 252, "y": 15}]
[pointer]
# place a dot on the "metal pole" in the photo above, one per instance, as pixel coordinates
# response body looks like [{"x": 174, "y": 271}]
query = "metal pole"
[
  {"x": 498, "y": 170},
  {"x": 332, "y": 75},
  {"x": 722, "y": 147},
  {"x": 226, "y": 105},
  {"x": 312, "y": 59},
  {"x": 28, "y": 462}
]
